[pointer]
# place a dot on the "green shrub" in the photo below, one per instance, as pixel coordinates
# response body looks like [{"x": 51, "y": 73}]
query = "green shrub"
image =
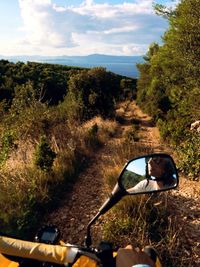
[
  {"x": 44, "y": 155},
  {"x": 189, "y": 155},
  {"x": 7, "y": 143}
]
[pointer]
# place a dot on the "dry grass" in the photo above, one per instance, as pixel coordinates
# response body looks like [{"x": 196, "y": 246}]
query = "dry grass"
[
  {"x": 21, "y": 157},
  {"x": 122, "y": 107},
  {"x": 107, "y": 128}
]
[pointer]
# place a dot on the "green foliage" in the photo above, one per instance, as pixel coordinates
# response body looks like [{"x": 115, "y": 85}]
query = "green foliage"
[
  {"x": 25, "y": 97},
  {"x": 164, "y": 11},
  {"x": 72, "y": 107},
  {"x": 189, "y": 152},
  {"x": 44, "y": 155},
  {"x": 128, "y": 87},
  {"x": 49, "y": 80},
  {"x": 7, "y": 143},
  {"x": 90, "y": 92},
  {"x": 96, "y": 89},
  {"x": 27, "y": 116},
  {"x": 85, "y": 93},
  {"x": 169, "y": 84}
]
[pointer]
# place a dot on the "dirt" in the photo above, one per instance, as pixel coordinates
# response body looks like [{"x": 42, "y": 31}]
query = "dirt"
[{"x": 82, "y": 203}]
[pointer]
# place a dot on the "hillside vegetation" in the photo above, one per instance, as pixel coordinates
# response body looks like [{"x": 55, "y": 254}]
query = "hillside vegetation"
[
  {"x": 169, "y": 84},
  {"x": 44, "y": 141}
]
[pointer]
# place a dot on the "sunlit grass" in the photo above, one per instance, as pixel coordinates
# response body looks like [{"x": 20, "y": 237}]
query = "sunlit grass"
[{"x": 106, "y": 128}]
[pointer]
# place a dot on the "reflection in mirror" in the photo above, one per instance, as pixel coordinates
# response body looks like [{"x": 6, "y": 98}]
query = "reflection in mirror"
[{"x": 149, "y": 173}]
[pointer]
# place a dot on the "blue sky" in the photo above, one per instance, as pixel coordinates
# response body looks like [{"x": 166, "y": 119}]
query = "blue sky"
[{"x": 77, "y": 27}]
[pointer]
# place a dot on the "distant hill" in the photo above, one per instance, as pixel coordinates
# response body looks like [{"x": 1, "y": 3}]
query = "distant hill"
[{"x": 123, "y": 65}]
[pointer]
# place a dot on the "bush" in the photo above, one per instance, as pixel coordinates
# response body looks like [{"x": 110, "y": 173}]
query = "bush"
[
  {"x": 189, "y": 155},
  {"x": 7, "y": 143},
  {"x": 44, "y": 155}
]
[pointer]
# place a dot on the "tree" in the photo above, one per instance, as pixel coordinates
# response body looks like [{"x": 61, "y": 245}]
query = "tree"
[
  {"x": 169, "y": 81},
  {"x": 96, "y": 90},
  {"x": 163, "y": 11},
  {"x": 129, "y": 87}
]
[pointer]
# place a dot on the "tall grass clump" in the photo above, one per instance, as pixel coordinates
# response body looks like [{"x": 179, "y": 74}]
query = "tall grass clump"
[
  {"x": 21, "y": 195},
  {"x": 106, "y": 127},
  {"x": 132, "y": 134},
  {"x": 91, "y": 137}
]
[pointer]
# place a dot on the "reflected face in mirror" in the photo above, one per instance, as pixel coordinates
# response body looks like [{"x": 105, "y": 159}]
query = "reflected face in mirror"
[
  {"x": 158, "y": 166},
  {"x": 149, "y": 173}
]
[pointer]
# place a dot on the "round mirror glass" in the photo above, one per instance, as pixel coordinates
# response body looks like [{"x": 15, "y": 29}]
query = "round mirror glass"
[{"x": 156, "y": 172}]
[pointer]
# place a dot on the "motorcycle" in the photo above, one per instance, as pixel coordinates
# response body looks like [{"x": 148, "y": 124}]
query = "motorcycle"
[{"x": 147, "y": 174}]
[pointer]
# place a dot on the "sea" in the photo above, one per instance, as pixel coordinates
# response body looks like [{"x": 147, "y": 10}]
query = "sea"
[{"x": 122, "y": 65}]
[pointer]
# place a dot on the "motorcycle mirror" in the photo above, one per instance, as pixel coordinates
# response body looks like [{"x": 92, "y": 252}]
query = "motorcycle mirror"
[
  {"x": 150, "y": 173},
  {"x": 147, "y": 174}
]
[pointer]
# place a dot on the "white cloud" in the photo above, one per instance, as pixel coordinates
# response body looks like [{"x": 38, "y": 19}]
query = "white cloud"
[{"x": 126, "y": 28}]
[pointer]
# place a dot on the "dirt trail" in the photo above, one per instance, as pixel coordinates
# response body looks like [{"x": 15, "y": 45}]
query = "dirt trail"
[
  {"x": 88, "y": 194},
  {"x": 149, "y": 134}
]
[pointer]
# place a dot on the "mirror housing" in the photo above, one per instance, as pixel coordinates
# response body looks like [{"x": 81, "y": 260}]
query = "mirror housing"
[
  {"x": 146, "y": 174},
  {"x": 149, "y": 174}
]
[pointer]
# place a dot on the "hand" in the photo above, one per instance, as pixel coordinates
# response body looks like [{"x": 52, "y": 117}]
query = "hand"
[{"x": 128, "y": 257}]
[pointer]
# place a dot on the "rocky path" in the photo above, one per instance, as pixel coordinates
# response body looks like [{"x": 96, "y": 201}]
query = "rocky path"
[{"x": 79, "y": 206}]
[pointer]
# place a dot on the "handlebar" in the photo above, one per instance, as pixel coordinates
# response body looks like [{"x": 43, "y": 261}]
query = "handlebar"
[
  {"x": 64, "y": 254},
  {"x": 38, "y": 251}
]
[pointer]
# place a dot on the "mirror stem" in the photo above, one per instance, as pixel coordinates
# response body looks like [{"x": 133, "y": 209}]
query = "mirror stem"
[
  {"x": 88, "y": 239},
  {"x": 116, "y": 195}
]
